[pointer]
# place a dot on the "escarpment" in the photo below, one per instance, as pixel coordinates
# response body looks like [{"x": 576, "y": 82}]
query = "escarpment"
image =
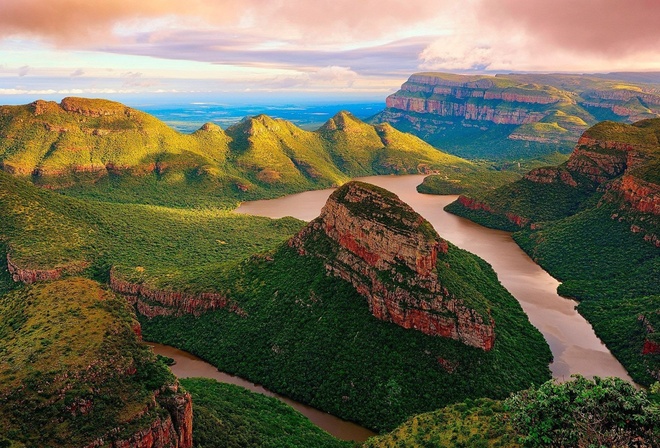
[
  {"x": 392, "y": 256},
  {"x": 151, "y": 302},
  {"x": 613, "y": 161},
  {"x": 513, "y": 113}
]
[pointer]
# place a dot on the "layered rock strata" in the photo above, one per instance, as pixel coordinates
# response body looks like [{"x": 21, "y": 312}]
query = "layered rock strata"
[
  {"x": 151, "y": 302},
  {"x": 390, "y": 255}
]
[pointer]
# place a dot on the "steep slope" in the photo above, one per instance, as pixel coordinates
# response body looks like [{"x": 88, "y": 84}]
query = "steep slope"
[
  {"x": 512, "y": 116},
  {"x": 74, "y": 373},
  {"x": 550, "y": 415},
  {"x": 390, "y": 255},
  {"x": 366, "y": 313},
  {"x": 231, "y": 416},
  {"x": 104, "y": 150},
  {"x": 594, "y": 223}
]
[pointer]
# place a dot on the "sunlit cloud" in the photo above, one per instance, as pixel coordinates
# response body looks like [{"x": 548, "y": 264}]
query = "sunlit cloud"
[{"x": 339, "y": 45}]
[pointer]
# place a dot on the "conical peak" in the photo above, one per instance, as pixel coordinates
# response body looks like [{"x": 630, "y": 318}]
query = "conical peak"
[{"x": 343, "y": 120}]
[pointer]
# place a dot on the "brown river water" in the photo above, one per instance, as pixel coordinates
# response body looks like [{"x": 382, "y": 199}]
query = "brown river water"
[{"x": 574, "y": 345}]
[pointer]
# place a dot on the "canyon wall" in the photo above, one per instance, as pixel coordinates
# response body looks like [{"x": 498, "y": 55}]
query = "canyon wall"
[
  {"x": 390, "y": 255},
  {"x": 151, "y": 302}
]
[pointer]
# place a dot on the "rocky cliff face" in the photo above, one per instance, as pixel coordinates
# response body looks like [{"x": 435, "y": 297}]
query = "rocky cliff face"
[
  {"x": 173, "y": 430},
  {"x": 151, "y": 302},
  {"x": 544, "y": 110},
  {"x": 391, "y": 255},
  {"x": 27, "y": 276},
  {"x": 615, "y": 159}
]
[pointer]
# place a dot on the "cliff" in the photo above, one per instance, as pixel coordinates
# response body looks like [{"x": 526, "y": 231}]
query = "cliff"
[
  {"x": 76, "y": 374},
  {"x": 593, "y": 222},
  {"x": 615, "y": 159},
  {"x": 391, "y": 256},
  {"x": 512, "y": 113},
  {"x": 151, "y": 302}
]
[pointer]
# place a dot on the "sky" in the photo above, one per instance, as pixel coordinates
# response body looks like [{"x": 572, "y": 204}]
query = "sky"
[{"x": 351, "y": 49}]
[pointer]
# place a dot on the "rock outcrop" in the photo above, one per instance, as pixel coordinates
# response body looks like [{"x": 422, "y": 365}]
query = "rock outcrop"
[
  {"x": 172, "y": 430},
  {"x": 615, "y": 159},
  {"x": 152, "y": 302},
  {"x": 391, "y": 256},
  {"x": 28, "y": 276}
]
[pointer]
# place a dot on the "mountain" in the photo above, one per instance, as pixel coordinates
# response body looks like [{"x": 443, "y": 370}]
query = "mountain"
[
  {"x": 74, "y": 373},
  {"x": 104, "y": 150},
  {"x": 514, "y": 116},
  {"x": 368, "y": 314},
  {"x": 594, "y": 223},
  {"x": 235, "y": 290},
  {"x": 393, "y": 257}
]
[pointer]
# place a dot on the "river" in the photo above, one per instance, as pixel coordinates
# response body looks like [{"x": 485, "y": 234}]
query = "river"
[
  {"x": 188, "y": 365},
  {"x": 574, "y": 345}
]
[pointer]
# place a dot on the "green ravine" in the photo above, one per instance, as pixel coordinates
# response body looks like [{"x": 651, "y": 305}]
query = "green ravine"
[
  {"x": 306, "y": 335},
  {"x": 588, "y": 232},
  {"x": 312, "y": 337}
]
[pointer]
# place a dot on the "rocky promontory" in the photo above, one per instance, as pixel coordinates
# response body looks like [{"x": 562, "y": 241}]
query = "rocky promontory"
[{"x": 392, "y": 256}]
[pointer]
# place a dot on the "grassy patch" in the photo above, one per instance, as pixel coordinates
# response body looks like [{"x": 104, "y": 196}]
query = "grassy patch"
[{"x": 71, "y": 368}]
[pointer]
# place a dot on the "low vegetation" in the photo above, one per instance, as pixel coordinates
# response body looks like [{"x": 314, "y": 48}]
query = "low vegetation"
[
  {"x": 71, "y": 367},
  {"x": 580, "y": 412},
  {"x": 233, "y": 417}
]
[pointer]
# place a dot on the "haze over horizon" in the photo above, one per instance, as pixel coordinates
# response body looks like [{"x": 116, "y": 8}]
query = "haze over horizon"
[{"x": 296, "y": 49}]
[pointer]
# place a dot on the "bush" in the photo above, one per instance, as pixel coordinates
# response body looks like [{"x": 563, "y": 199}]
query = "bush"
[{"x": 582, "y": 412}]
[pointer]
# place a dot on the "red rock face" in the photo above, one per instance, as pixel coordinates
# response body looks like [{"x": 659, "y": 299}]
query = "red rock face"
[
  {"x": 28, "y": 276},
  {"x": 394, "y": 266},
  {"x": 447, "y": 98},
  {"x": 473, "y": 204},
  {"x": 172, "y": 431},
  {"x": 551, "y": 175},
  {"x": 170, "y": 302},
  {"x": 447, "y": 108},
  {"x": 640, "y": 195}
]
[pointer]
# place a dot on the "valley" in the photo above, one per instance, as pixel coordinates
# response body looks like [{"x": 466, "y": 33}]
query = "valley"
[{"x": 368, "y": 311}]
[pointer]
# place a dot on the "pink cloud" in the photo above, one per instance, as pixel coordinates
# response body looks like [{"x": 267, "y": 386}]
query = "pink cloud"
[
  {"x": 75, "y": 22},
  {"x": 610, "y": 28}
]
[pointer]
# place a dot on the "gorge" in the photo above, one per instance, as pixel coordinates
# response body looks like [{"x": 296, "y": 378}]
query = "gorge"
[{"x": 575, "y": 347}]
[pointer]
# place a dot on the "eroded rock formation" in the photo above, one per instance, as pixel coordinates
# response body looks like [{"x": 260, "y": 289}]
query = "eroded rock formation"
[
  {"x": 172, "y": 430},
  {"x": 390, "y": 255},
  {"x": 152, "y": 302}
]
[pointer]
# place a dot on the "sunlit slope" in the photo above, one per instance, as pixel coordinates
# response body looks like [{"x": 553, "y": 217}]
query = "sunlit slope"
[{"x": 105, "y": 150}]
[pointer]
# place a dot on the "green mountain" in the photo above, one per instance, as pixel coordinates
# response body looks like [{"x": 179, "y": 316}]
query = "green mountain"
[
  {"x": 513, "y": 116},
  {"x": 104, "y": 150},
  {"x": 73, "y": 372},
  {"x": 373, "y": 325},
  {"x": 594, "y": 223}
]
